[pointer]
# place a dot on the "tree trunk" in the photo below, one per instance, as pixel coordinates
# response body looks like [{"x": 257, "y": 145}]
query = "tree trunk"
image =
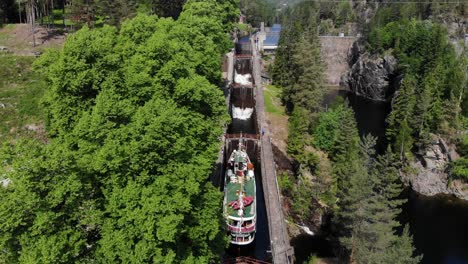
[
  {"x": 64, "y": 2},
  {"x": 32, "y": 19},
  {"x": 51, "y": 13},
  {"x": 19, "y": 12}
]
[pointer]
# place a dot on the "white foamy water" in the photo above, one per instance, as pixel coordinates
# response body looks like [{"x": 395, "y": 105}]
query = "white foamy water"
[
  {"x": 242, "y": 113},
  {"x": 242, "y": 79}
]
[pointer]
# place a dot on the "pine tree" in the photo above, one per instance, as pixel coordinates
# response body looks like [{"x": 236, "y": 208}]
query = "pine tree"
[
  {"x": 368, "y": 208},
  {"x": 402, "y": 250},
  {"x": 351, "y": 177},
  {"x": 401, "y": 121},
  {"x": 309, "y": 89}
]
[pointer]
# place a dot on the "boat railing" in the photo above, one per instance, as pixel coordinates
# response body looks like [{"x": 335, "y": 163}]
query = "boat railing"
[
  {"x": 247, "y": 229},
  {"x": 244, "y": 136}
]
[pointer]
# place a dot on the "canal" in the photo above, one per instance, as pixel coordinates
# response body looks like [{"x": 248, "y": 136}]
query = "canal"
[{"x": 244, "y": 125}]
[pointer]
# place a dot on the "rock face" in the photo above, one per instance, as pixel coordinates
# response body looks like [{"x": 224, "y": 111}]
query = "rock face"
[
  {"x": 431, "y": 176},
  {"x": 370, "y": 76}
]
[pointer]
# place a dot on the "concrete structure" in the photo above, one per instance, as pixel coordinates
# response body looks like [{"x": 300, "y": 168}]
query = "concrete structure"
[
  {"x": 267, "y": 38},
  {"x": 281, "y": 250}
]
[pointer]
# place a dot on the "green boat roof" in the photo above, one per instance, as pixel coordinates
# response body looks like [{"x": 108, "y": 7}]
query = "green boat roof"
[{"x": 232, "y": 188}]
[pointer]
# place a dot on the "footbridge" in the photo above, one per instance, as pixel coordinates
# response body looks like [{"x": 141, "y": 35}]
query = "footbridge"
[{"x": 281, "y": 250}]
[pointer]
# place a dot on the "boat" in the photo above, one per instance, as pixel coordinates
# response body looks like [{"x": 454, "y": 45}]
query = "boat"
[{"x": 240, "y": 201}]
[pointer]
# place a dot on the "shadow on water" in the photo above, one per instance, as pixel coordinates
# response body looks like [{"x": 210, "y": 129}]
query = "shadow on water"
[
  {"x": 306, "y": 246},
  {"x": 370, "y": 115},
  {"x": 439, "y": 225}
]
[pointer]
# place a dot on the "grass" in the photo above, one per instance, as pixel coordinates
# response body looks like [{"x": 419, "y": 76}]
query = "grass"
[
  {"x": 58, "y": 18},
  {"x": 243, "y": 27},
  {"x": 272, "y": 100},
  {"x": 3, "y": 38},
  {"x": 20, "y": 93}
]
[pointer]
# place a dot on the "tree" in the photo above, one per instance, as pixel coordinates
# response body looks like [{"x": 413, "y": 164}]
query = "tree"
[
  {"x": 134, "y": 116},
  {"x": 326, "y": 131},
  {"x": 401, "y": 120},
  {"x": 402, "y": 250},
  {"x": 309, "y": 89},
  {"x": 114, "y": 12},
  {"x": 258, "y": 11},
  {"x": 368, "y": 209}
]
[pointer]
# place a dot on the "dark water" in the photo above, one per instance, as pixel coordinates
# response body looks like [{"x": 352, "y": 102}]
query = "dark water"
[
  {"x": 238, "y": 126},
  {"x": 243, "y": 66},
  {"x": 305, "y": 246},
  {"x": 243, "y": 45},
  {"x": 439, "y": 224},
  {"x": 370, "y": 118},
  {"x": 440, "y": 228},
  {"x": 370, "y": 115}
]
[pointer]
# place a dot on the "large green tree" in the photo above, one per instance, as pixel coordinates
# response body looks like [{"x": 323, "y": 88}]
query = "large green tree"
[{"x": 134, "y": 116}]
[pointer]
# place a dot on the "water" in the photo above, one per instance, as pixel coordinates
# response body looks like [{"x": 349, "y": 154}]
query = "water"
[
  {"x": 439, "y": 224},
  {"x": 242, "y": 113},
  {"x": 370, "y": 115},
  {"x": 243, "y": 79},
  {"x": 242, "y": 103}
]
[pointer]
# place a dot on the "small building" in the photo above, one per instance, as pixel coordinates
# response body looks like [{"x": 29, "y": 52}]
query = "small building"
[{"x": 268, "y": 38}]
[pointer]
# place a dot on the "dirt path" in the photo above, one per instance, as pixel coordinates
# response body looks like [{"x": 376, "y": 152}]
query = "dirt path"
[{"x": 18, "y": 39}]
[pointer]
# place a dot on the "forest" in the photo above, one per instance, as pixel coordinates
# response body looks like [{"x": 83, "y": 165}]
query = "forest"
[
  {"x": 133, "y": 116},
  {"x": 337, "y": 172},
  {"x": 88, "y": 12}
]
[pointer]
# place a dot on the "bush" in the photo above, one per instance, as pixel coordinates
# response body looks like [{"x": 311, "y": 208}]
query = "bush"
[
  {"x": 326, "y": 132},
  {"x": 460, "y": 168},
  {"x": 462, "y": 146},
  {"x": 285, "y": 183}
]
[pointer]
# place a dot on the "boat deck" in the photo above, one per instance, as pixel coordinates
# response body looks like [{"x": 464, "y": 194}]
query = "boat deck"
[{"x": 232, "y": 195}]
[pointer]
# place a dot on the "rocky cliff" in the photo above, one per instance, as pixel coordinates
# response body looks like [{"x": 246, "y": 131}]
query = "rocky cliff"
[
  {"x": 431, "y": 176},
  {"x": 371, "y": 76}
]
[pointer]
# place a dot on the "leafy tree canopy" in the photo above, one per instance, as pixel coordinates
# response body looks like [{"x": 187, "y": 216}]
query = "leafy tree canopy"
[{"x": 134, "y": 115}]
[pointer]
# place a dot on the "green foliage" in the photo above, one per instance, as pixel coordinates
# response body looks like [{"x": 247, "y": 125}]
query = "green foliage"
[
  {"x": 369, "y": 204},
  {"x": 257, "y": 11},
  {"x": 459, "y": 168},
  {"x": 302, "y": 200},
  {"x": 462, "y": 146},
  {"x": 312, "y": 260},
  {"x": 344, "y": 13},
  {"x": 430, "y": 99},
  {"x": 285, "y": 183},
  {"x": 134, "y": 117},
  {"x": 326, "y": 132},
  {"x": 20, "y": 92},
  {"x": 297, "y": 136},
  {"x": 113, "y": 12},
  {"x": 401, "y": 250},
  {"x": 298, "y": 68},
  {"x": 400, "y": 120},
  {"x": 272, "y": 100}
]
